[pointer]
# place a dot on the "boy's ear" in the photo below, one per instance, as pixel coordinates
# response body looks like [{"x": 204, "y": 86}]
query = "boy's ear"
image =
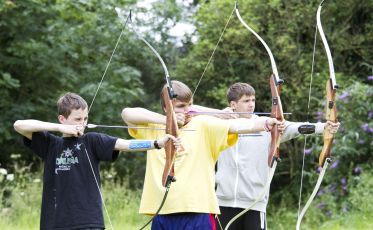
[
  {"x": 61, "y": 119},
  {"x": 232, "y": 104}
]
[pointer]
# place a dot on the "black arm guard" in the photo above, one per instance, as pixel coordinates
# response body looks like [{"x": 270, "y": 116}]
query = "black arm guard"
[{"x": 306, "y": 129}]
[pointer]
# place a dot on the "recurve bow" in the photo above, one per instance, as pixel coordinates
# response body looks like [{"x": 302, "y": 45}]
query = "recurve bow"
[{"x": 330, "y": 115}]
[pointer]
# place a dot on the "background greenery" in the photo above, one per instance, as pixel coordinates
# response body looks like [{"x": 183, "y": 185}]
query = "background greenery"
[{"x": 50, "y": 47}]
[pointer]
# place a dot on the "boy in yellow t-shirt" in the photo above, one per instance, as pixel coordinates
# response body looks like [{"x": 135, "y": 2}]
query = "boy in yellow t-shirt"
[{"x": 191, "y": 202}]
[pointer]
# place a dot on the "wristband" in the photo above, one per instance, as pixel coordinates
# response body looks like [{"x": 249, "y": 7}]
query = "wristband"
[
  {"x": 155, "y": 143},
  {"x": 140, "y": 144}
]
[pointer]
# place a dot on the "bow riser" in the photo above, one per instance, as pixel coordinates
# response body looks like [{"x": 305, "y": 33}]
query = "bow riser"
[
  {"x": 331, "y": 115},
  {"x": 172, "y": 129},
  {"x": 276, "y": 112}
]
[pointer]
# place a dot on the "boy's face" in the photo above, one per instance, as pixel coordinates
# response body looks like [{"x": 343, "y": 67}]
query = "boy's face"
[
  {"x": 245, "y": 104},
  {"x": 181, "y": 106},
  {"x": 76, "y": 117}
]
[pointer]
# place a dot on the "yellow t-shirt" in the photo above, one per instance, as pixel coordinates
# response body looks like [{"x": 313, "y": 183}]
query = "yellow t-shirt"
[{"x": 194, "y": 189}]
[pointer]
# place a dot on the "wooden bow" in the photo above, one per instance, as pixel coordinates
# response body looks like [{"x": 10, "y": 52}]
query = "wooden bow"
[
  {"x": 276, "y": 112},
  {"x": 169, "y": 96},
  {"x": 330, "y": 115}
]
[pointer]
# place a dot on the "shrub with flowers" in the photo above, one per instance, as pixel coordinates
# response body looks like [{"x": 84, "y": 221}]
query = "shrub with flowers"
[{"x": 351, "y": 151}]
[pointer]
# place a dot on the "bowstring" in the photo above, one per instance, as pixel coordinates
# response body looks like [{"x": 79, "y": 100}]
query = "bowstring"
[
  {"x": 110, "y": 59},
  {"x": 99, "y": 190},
  {"x": 213, "y": 52},
  {"x": 308, "y": 115},
  {"x": 89, "y": 109}
]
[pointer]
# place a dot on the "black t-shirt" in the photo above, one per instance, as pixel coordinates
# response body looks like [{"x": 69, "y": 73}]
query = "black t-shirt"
[{"x": 71, "y": 199}]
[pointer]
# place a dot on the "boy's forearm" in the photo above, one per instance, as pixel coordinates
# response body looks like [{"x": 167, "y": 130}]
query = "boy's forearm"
[
  {"x": 27, "y": 127},
  {"x": 244, "y": 125},
  {"x": 140, "y": 116}
]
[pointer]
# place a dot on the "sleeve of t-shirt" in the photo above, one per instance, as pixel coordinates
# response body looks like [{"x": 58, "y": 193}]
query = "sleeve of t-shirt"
[
  {"x": 39, "y": 143},
  {"x": 217, "y": 131},
  {"x": 104, "y": 147}
]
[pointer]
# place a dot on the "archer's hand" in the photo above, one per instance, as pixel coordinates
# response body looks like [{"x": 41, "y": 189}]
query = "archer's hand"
[
  {"x": 182, "y": 119},
  {"x": 280, "y": 124},
  {"x": 73, "y": 130},
  {"x": 332, "y": 127},
  {"x": 176, "y": 140}
]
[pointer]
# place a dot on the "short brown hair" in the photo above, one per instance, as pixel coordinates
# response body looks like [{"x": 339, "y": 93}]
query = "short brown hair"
[
  {"x": 68, "y": 102},
  {"x": 182, "y": 91},
  {"x": 239, "y": 89}
]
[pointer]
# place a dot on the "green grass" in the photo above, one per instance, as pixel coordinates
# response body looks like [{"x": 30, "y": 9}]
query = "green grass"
[
  {"x": 286, "y": 219},
  {"x": 22, "y": 211},
  {"x": 355, "y": 221}
]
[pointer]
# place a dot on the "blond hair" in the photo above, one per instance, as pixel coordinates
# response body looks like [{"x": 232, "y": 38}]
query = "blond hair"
[{"x": 182, "y": 91}]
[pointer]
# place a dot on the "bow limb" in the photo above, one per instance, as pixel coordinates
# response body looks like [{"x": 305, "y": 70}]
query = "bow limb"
[
  {"x": 276, "y": 112},
  {"x": 330, "y": 115},
  {"x": 273, "y": 63},
  {"x": 331, "y": 89},
  {"x": 313, "y": 194},
  {"x": 275, "y": 84},
  {"x": 168, "y": 97}
]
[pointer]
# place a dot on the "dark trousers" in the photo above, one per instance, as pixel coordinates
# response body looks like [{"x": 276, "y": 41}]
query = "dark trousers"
[
  {"x": 184, "y": 221},
  {"x": 251, "y": 220}
]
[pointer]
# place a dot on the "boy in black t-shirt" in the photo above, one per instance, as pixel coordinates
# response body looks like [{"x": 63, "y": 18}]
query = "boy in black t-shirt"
[{"x": 71, "y": 195}]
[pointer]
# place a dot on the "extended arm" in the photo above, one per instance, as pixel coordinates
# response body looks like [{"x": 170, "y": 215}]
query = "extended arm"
[
  {"x": 141, "y": 116},
  {"x": 294, "y": 129},
  {"x": 244, "y": 125},
  {"x": 27, "y": 127}
]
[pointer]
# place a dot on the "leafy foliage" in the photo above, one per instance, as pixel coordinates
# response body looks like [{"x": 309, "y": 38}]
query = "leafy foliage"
[
  {"x": 50, "y": 47},
  {"x": 54, "y": 47},
  {"x": 288, "y": 27}
]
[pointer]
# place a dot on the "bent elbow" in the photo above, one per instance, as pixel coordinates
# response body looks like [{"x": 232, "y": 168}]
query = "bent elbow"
[
  {"x": 17, "y": 125},
  {"x": 126, "y": 114}
]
